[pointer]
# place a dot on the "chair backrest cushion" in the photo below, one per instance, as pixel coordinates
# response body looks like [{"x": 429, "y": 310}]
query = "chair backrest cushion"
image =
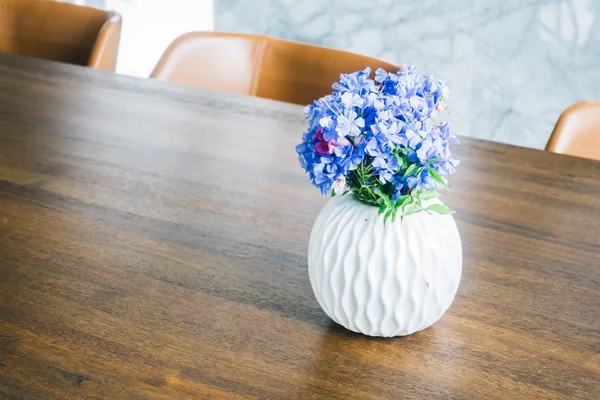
[
  {"x": 221, "y": 62},
  {"x": 52, "y": 30},
  {"x": 577, "y": 131},
  {"x": 258, "y": 65}
]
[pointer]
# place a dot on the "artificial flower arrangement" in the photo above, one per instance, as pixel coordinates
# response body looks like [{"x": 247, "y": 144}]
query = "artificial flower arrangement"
[
  {"x": 379, "y": 139},
  {"x": 376, "y": 142}
]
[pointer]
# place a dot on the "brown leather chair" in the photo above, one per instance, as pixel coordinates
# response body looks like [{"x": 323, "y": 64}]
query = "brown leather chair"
[
  {"x": 258, "y": 65},
  {"x": 60, "y": 32},
  {"x": 577, "y": 131}
]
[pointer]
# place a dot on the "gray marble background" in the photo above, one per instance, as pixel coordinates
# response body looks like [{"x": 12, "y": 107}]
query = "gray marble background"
[{"x": 512, "y": 65}]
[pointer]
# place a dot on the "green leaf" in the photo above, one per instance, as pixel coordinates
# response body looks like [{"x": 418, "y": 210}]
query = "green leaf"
[
  {"x": 411, "y": 208},
  {"x": 386, "y": 199},
  {"x": 385, "y": 219},
  {"x": 436, "y": 177},
  {"x": 333, "y": 193},
  {"x": 401, "y": 200},
  {"x": 381, "y": 209},
  {"x": 407, "y": 202},
  {"x": 402, "y": 150},
  {"x": 429, "y": 194},
  {"x": 402, "y": 163},
  {"x": 421, "y": 169},
  {"x": 433, "y": 160},
  {"x": 394, "y": 216},
  {"x": 410, "y": 170},
  {"x": 440, "y": 209}
]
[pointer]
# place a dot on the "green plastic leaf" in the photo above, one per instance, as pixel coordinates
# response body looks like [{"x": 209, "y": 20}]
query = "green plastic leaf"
[
  {"x": 385, "y": 219},
  {"x": 440, "y": 209},
  {"x": 421, "y": 169},
  {"x": 411, "y": 208},
  {"x": 386, "y": 199},
  {"x": 401, "y": 200},
  {"x": 402, "y": 163},
  {"x": 410, "y": 170},
  {"x": 429, "y": 194},
  {"x": 407, "y": 203},
  {"x": 436, "y": 177}
]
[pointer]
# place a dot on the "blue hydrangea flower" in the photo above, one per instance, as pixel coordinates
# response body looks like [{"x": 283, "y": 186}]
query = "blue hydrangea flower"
[{"x": 380, "y": 127}]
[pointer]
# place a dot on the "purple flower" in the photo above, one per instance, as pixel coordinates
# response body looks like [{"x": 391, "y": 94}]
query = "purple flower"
[
  {"x": 426, "y": 151},
  {"x": 324, "y": 178},
  {"x": 349, "y": 156},
  {"x": 357, "y": 82},
  {"x": 326, "y": 122},
  {"x": 386, "y": 166},
  {"x": 437, "y": 88},
  {"x": 383, "y": 161},
  {"x": 380, "y": 75},
  {"x": 323, "y": 146},
  {"x": 382, "y": 125},
  {"x": 399, "y": 184},
  {"x": 421, "y": 106},
  {"x": 350, "y": 99},
  {"x": 349, "y": 125}
]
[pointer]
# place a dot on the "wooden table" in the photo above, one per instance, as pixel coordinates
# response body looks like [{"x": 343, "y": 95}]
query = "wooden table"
[{"x": 153, "y": 244}]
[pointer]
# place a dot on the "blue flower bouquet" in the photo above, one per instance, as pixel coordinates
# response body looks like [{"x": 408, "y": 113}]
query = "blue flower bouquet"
[
  {"x": 379, "y": 139},
  {"x": 377, "y": 147}
]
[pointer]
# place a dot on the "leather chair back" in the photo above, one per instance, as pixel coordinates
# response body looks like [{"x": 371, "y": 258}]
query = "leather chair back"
[
  {"x": 577, "y": 131},
  {"x": 258, "y": 65},
  {"x": 60, "y": 32}
]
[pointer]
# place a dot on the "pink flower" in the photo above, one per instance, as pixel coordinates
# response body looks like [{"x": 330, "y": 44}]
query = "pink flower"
[
  {"x": 322, "y": 146},
  {"x": 325, "y": 147}
]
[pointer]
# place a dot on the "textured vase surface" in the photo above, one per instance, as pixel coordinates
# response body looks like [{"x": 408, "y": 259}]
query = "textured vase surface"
[{"x": 378, "y": 280}]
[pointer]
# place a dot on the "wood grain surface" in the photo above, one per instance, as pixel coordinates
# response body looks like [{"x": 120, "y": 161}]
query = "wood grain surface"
[{"x": 153, "y": 243}]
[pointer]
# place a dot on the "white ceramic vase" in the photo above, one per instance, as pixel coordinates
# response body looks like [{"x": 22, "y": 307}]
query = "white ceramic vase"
[{"x": 378, "y": 280}]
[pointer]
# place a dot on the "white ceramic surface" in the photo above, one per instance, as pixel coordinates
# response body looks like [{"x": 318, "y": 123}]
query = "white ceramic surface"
[{"x": 378, "y": 280}]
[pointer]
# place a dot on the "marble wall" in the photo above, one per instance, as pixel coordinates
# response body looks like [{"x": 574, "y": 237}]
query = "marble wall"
[{"x": 512, "y": 65}]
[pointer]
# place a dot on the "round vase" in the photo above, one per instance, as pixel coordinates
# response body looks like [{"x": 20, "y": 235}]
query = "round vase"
[{"x": 383, "y": 280}]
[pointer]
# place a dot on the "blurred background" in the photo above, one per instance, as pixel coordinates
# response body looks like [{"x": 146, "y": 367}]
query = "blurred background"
[
  {"x": 149, "y": 26},
  {"x": 512, "y": 65}
]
